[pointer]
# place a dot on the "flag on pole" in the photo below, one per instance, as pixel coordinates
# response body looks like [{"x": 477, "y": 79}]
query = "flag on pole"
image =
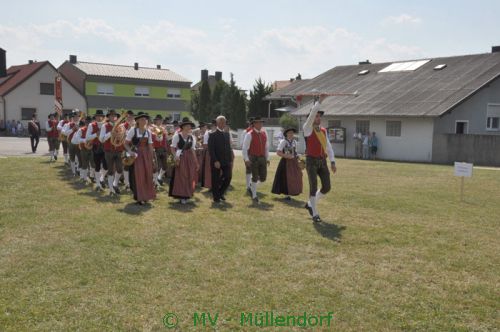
[{"x": 58, "y": 95}]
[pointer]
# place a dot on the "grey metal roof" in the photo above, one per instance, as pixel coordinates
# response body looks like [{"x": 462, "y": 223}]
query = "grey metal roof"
[
  {"x": 109, "y": 70},
  {"x": 424, "y": 92}
]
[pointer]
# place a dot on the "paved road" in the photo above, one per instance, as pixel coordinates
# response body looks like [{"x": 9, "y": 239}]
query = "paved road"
[{"x": 20, "y": 147}]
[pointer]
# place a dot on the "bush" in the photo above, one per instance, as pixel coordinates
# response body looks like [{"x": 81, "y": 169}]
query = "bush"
[{"x": 288, "y": 121}]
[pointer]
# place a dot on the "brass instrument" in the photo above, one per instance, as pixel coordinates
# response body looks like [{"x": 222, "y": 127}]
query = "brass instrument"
[
  {"x": 302, "y": 162},
  {"x": 127, "y": 160},
  {"x": 82, "y": 116},
  {"x": 157, "y": 130},
  {"x": 119, "y": 132},
  {"x": 88, "y": 144}
]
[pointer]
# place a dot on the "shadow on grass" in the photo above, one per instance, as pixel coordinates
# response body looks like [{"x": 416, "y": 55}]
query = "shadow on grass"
[
  {"x": 134, "y": 208},
  {"x": 292, "y": 203},
  {"x": 260, "y": 206},
  {"x": 223, "y": 206},
  {"x": 329, "y": 231},
  {"x": 188, "y": 207}
]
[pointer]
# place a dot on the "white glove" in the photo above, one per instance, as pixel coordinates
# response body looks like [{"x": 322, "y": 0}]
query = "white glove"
[{"x": 178, "y": 154}]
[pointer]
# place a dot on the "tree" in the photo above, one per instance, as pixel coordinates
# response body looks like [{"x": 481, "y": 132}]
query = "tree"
[
  {"x": 204, "y": 109},
  {"x": 288, "y": 121},
  {"x": 219, "y": 89},
  {"x": 195, "y": 104},
  {"x": 257, "y": 106}
]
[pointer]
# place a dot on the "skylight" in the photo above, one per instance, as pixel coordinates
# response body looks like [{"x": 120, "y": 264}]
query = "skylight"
[
  {"x": 404, "y": 66},
  {"x": 441, "y": 66},
  {"x": 364, "y": 72}
]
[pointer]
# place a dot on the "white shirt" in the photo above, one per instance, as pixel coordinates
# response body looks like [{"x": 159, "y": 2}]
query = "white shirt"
[
  {"x": 309, "y": 127},
  {"x": 284, "y": 143},
  {"x": 77, "y": 137},
  {"x": 47, "y": 126},
  {"x": 103, "y": 136},
  {"x": 175, "y": 141},
  {"x": 91, "y": 136},
  {"x": 205, "y": 137},
  {"x": 130, "y": 135},
  {"x": 246, "y": 145},
  {"x": 60, "y": 125}
]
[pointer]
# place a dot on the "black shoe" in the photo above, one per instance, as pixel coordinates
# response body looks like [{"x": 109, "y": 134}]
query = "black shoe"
[
  {"x": 309, "y": 209},
  {"x": 316, "y": 219},
  {"x": 255, "y": 200},
  {"x": 217, "y": 201},
  {"x": 288, "y": 198},
  {"x": 160, "y": 181},
  {"x": 103, "y": 184},
  {"x": 223, "y": 198},
  {"x": 55, "y": 157},
  {"x": 117, "y": 190}
]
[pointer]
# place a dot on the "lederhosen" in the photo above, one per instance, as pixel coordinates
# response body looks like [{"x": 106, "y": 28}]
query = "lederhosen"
[{"x": 112, "y": 154}]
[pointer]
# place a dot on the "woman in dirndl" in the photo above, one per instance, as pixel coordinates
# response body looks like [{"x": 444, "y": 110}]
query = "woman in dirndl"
[
  {"x": 139, "y": 144},
  {"x": 185, "y": 173},
  {"x": 288, "y": 178}
]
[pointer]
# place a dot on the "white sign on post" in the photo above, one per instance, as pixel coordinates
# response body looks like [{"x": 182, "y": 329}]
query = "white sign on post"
[{"x": 463, "y": 169}]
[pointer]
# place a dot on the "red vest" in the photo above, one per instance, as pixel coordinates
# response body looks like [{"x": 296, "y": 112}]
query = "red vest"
[
  {"x": 313, "y": 145},
  {"x": 95, "y": 130},
  {"x": 108, "y": 147},
  {"x": 160, "y": 144},
  {"x": 84, "y": 135},
  {"x": 258, "y": 143},
  {"x": 71, "y": 126},
  {"x": 53, "y": 133}
]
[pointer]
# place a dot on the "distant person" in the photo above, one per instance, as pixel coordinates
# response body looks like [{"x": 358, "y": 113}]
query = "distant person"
[
  {"x": 2, "y": 124},
  {"x": 34, "y": 132},
  {"x": 221, "y": 159},
  {"x": 20, "y": 128},
  {"x": 13, "y": 127},
  {"x": 373, "y": 146},
  {"x": 358, "y": 144},
  {"x": 7, "y": 128},
  {"x": 288, "y": 176},
  {"x": 366, "y": 146}
]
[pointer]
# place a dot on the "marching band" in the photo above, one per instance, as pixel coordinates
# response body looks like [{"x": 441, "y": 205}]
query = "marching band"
[{"x": 142, "y": 154}]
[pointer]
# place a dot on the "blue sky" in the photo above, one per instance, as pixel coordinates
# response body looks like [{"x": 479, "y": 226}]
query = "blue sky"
[{"x": 274, "y": 40}]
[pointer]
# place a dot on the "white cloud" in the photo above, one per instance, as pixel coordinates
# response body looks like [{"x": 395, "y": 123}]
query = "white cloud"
[
  {"x": 272, "y": 54},
  {"x": 402, "y": 19}
]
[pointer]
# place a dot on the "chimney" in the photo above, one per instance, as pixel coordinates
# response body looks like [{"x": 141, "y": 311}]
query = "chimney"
[
  {"x": 136, "y": 65},
  {"x": 30, "y": 62},
  {"x": 72, "y": 59},
  {"x": 204, "y": 75},
  {"x": 3, "y": 63},
  {"x": 158, "y": 66},
  {"x": 367, "y": 62},
  {"x": 218, "y": 76},
  {"x": 495, "y": 49}
]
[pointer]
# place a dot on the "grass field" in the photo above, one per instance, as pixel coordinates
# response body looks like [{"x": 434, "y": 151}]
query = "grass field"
[{"x": 397, "y": 251}]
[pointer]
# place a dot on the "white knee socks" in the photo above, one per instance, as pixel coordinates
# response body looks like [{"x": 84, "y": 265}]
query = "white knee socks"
[
  {"x": 249, "y": 179},
  {"x": 253, "y": 187}
]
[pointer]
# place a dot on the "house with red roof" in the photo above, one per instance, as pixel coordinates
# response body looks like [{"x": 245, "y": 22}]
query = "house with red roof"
[{"x": 29, "y": 88}]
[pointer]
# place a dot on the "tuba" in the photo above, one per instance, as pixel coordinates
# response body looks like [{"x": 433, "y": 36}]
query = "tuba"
[{"x": 119, "y": 132}]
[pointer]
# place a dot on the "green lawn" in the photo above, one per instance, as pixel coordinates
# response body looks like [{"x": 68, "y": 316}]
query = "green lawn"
[{"x": 397, "y": 251}]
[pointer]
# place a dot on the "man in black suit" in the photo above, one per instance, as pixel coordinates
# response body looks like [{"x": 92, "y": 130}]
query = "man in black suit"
[
  {"x": 221, "y": 158},
  {"x": 34, "y": 131}
]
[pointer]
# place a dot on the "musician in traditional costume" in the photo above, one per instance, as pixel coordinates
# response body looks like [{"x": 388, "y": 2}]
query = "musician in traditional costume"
[
  {"x": 206, "y": 174},
  {"x": 221, "y": 158},
  {"x": 318, "y": 150},
  {"x": 62, "y": 138},
  {"x": 69, "y": 131},
  {"x": 139, "y": 144},
  {"x": 288, "y": 177},
  {"x": 160, "y": 147},
  {"x": 201, "y": 149},
  {"x": 129, "y": 124},
  {"x": 248, "y": 170},
  {"x": 112, "y": 153},
  {"x": 52, "y": 136},
  {"x": 255, "y": 152},
  {"x": 85, "y": 154},
  {"x": 97, "y": 160},
  {"x": 184, "y": 176}
]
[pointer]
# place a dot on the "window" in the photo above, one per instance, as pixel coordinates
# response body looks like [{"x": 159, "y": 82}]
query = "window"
[
  {"x": 362, "y": 126},
  {"x": 393, "y": 128},
  {"x": 142, "y": 91},
  {"x": 176, "y": 116},
  {"x": 174, "y": 93},
  {"x": 441, "y": 66},
  {"x": 46, "y": 89},
  {"x": 493, "y": 117},
  {"x": 334, "y": 123},
  {"x": 105, "y": 89},
  {"x": 404, "y": 66},
  {"x": 27, "y": 113},
  {"x": 461, "y": 127}
]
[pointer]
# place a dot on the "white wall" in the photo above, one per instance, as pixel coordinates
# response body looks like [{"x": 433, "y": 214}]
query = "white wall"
[
  {"x": 414, "y": 144},
  {"x": 27, "y": 95}
]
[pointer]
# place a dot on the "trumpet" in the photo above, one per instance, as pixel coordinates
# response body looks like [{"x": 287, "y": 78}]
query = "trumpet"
[{"x": 157, "y": 130}]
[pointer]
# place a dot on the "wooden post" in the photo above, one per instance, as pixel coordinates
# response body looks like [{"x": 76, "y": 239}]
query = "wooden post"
[{"x": 462, "y": 189}]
